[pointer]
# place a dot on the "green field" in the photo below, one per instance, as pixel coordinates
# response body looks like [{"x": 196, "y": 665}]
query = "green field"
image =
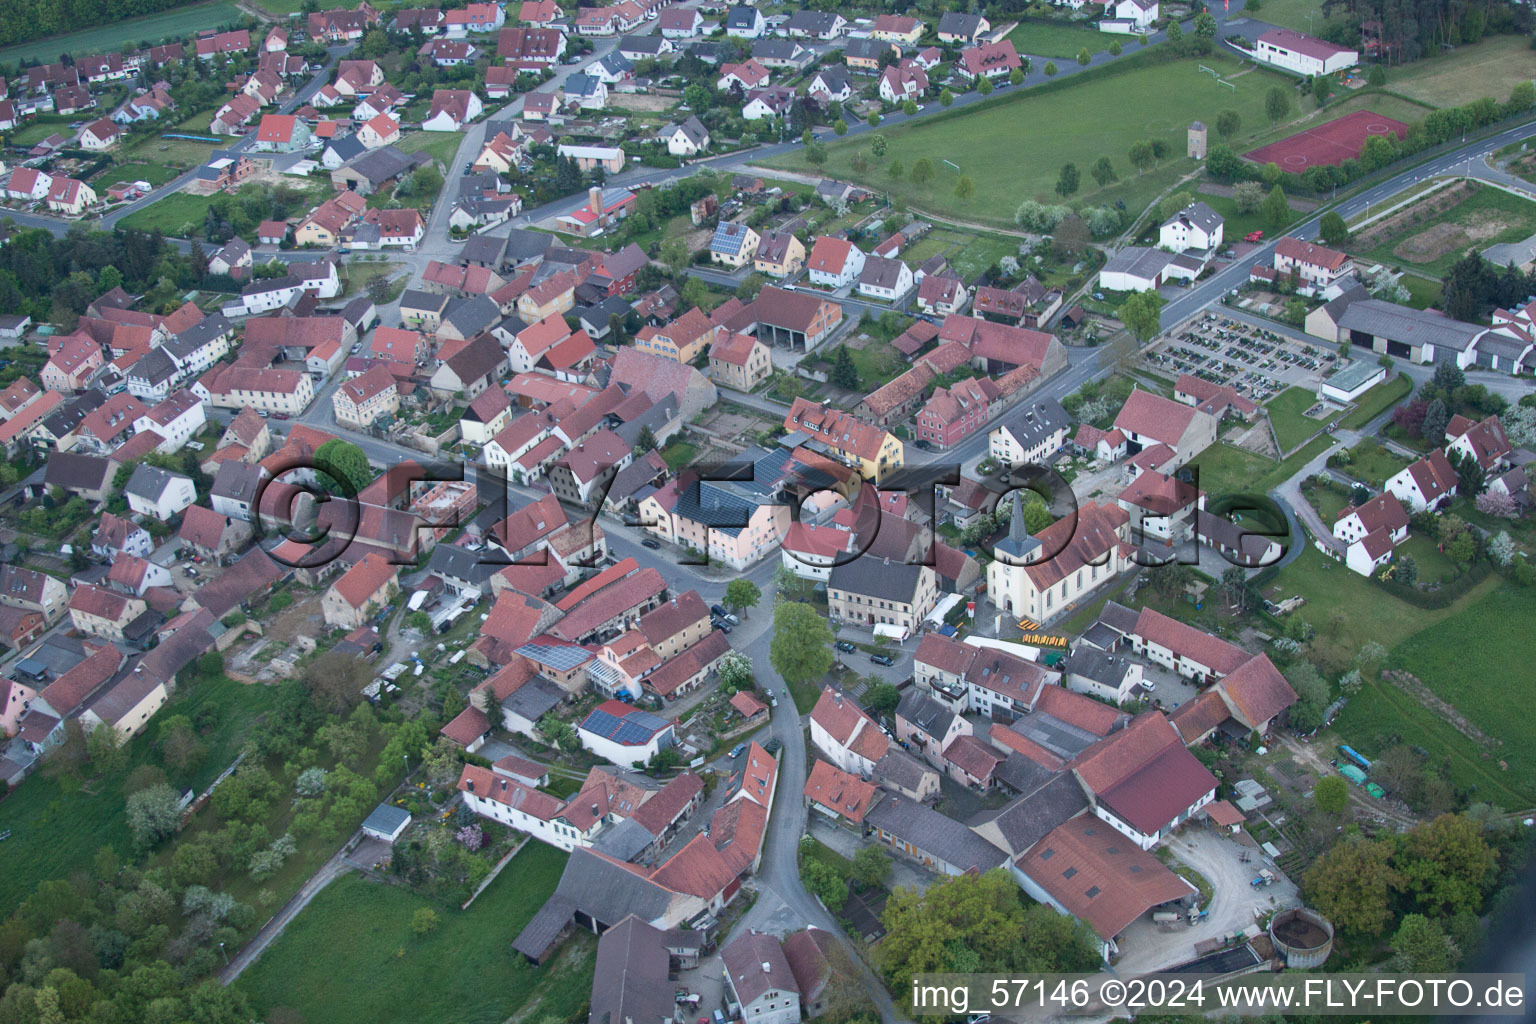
[
  {"x": 1044, "y": 39},
  {"x": 170, "y": 215},
  {"x": 1370, "y": 612},
  {"x": 1468, "y": 73},
  {"x": 155, "y": 174},
  {"x": 1466, "y": 658},
  {"x": 1293, "y": 14},
  {"x": 442, "y": 145},
  {"x": 464, "y": 972},
  {"x": 1377, "y": 401},
  {"x": 1225, "y": 468},
  {"x": 1372, "y": 464},
  {"x": 1487, "y": 217},
  {"x": 1287, "y": 415},
  {"x": 152, "y": 28},
  {"x": 54, "y": 833},
  {"x": 1013, "y": 149}
]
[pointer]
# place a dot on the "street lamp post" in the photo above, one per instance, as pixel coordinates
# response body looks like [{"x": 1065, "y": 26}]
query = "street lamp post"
[{"x": 226, "y": 954}]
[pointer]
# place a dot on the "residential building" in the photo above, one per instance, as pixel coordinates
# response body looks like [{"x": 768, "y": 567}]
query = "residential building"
[
  {"x": 362, "y": 400},
  {"x": 759, "y": 985},
  {"x": 834, "y": 262},
  {"x": 1427, "y": 484},
  {"x": 1031, "y": 435},
  {"x": 734, "y": 244},
  {"x": 870, "y": 593},
  {"x": 739, "y": 361},
  {"x": 873, "y": 451},
  {"x": 779, "y": 254},
  {"x": 1315, "y": 266},
  {"x": 359, "y": 593},
  {"x": 157, "y": 492}
]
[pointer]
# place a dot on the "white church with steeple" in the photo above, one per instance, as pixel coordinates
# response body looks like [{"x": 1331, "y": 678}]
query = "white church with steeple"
[{"x": 1041, "y": 577}]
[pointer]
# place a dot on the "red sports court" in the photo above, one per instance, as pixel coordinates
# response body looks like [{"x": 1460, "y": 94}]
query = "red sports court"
[{"x": 1328, "y": 144}]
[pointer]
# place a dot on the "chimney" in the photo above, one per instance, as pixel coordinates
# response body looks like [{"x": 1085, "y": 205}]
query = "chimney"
[
  {"x": 595, "y": 200},
  {"x": 767, "y": 968},
  {"x": 594, "y": 810}
]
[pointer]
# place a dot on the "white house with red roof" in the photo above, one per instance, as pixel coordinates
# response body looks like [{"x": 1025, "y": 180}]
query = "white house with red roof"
[
  {"x": 1427, "y": 484},
  {"x": 747, "y": 75},
  {"x": 845, "y": 735},
  {"x": 1371, "y": 531},
  {"x": 1483, "y": 440},
  {"x": 1303, "y": 54},
  {"x": 28, "y": 183},
  {"x": 451, "y": 110},
  {"x": 902, "y": 82},
  {"x": 100, "y": 134},
  {"x": 281, "y": 133},
  {"x": 474, "y": 18},
  {"x": 1316, "y": 266},
  {"x": 1147, "y": 419},
  {"x": 834, "y": 262},
  {"x": 70, "y": 196},
  {"x": 989, "y": 60}
]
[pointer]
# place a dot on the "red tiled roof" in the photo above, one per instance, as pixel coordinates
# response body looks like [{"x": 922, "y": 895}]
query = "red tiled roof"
[
  {"x": 846, "y": 795},
  {"x": 364, "y": 579},
  {"x": 1192, "y": 644},
  {"x": 1257, "y": 691},
  {"x": 1099, "y": 875},
  {"x": 1306, "y": 252},
  {"x": 1151, "y": 415},
  {"x": 697, "y": 869},
  {"x": 973, "y": 757}
]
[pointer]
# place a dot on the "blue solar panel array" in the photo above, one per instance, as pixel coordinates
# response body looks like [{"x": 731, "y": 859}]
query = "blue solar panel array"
[
  {"x": 560, "y": 657},
  {"x": 634, "y": 729}
]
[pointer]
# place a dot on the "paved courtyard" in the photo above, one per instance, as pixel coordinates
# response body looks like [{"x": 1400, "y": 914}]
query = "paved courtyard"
[{"x": 1235, "y": 905}]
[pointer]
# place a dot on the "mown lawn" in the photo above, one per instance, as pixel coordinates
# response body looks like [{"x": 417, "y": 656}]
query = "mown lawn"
[
  {"x": 170, "y": 215},
  {"x": 1225, "y": 468},
  {"x": 54, "y": 833},
  {"x": 1377, "y": 401},
  {"x": 1467, "y": 73},
  {"x": 1044, "y": 39},
  {"x": 155, "y": 174},
  {"x": 443, "y": 146},
  {"x": 351, "y": 956},
  {"x": 1470, "y": 657},
  {"x": 1373, "y": 464},
  {"x": 1287, "y": 415},
  {"x": 1370, "y": 613},
  {"x": 148, "y": 30},
  {"x": 1014, "y": 148}
]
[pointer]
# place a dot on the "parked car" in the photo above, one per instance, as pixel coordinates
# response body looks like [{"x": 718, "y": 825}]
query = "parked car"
[
  {"x": 721, "y": 625},
  {"x": 845, "y": 646},
  {"x": 737, "y": 749},
  {"x": 649, "y": 543},
  {"x": 882, "y": 659}
]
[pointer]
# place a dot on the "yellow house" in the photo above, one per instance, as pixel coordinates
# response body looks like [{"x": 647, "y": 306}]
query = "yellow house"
[
  {"x": 733, "y": 245},
  {"x": 555, "y": 294},
  {"x": 897, "y": 28},
  {"x": 779, "y": 254},
  {"x": 127, "y": 706},
  {"x": 683, "y": 340},
  {"x": 874, "y": 452}
]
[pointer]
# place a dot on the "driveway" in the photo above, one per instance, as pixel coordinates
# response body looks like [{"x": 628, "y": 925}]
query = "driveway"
[{"x": 1147, "y": 946}]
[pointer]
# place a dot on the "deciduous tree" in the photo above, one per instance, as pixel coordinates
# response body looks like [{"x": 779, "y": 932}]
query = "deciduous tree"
[
  {"x": 1142, "y": 315},
  {"x": 1068, "y": 180},
  {"x": 801, "y": 649},
  {"x": 1352, "y": 885},
  {"x": 1103, "y": 171},
  {"x": 1277, "y": 104}
]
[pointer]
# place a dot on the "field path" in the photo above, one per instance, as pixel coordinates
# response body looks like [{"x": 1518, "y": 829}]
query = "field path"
[{"x": 328, "y": 873}]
